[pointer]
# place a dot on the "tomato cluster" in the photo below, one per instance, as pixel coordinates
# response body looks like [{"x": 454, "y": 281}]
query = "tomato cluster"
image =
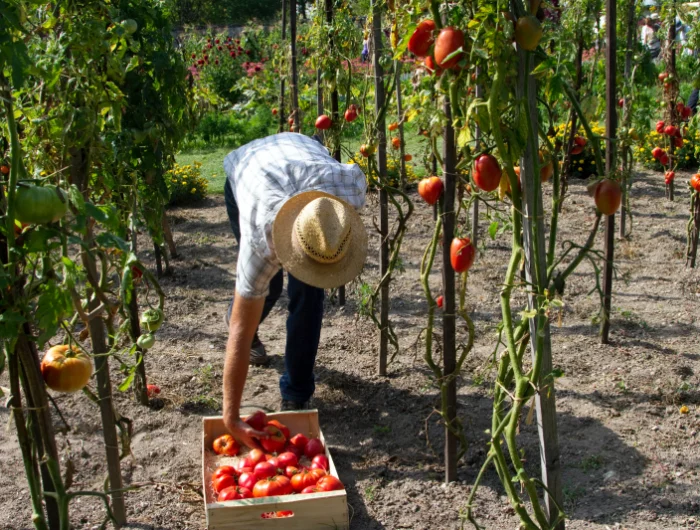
[{"x": 289, "y": 465}]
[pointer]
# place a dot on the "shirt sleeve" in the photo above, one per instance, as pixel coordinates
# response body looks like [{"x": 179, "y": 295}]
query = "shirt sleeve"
[{"x": 253, "y": 272}]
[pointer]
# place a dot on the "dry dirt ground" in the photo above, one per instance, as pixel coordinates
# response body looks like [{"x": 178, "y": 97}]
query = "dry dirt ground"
[{"x": 629, "y": 458}]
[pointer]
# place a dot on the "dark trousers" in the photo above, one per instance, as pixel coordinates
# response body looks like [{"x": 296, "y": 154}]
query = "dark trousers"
[{"x": 303, "y": 323}]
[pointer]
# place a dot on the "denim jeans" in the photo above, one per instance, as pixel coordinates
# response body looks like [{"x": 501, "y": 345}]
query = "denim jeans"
[{"x": 303, "y": 322}]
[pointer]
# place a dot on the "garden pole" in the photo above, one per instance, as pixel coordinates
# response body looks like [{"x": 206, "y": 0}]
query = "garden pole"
[
  {"x": 611, "y": 146},
  {"x": 383, "y": 198},
  {"x": 479, "y": 93},
  {"x": 98, "y": 339},
  {"x": 282, "y": 117},
  {"x": 295, "y": 77},
  {"x": 672, "y": 100},
  {"x": 140, "y": 381},
  {"x": 449, "y": 356},
  {"x": 631, "y": 31},
  {"x": 399, "y": 112},
  {"x": 566, "y": 164},
  {"x": 536, "y": 276},
  {"x": 694, "y": 231},
  {"x": 335, "y": 116}
]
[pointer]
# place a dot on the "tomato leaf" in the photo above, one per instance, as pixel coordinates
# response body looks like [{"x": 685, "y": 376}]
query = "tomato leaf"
[
  {"x": 493, "y": 229},
  {"x": 126, "y": 384},
  {"x": 109, "y": 240},
  {"x": 76, "y": 198},
  {"x": 10, "y": 321},
  {"x": 52, "y": 306}
]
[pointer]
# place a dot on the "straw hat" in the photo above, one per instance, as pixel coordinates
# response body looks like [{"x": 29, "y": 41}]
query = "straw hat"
[{"x": 320, "y": 239}]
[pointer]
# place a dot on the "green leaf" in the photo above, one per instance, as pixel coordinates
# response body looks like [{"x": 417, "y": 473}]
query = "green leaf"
[
  {"x": 76, "y": 198},
  {"x": 10, "y": 322},
  {"x": 96, "y": 213},
  {"x": 464, "y": 137},
  {"x": 53, "y": 305},
  {"x": 126, "y": 384},
  {"x": 109, "y": 240},
  {"x": 528, "y": 313},
  {"x": 493, "y": 229}
]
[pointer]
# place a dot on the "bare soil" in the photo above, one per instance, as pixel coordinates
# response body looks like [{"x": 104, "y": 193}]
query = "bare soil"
[{"x": 629, "y": 458}]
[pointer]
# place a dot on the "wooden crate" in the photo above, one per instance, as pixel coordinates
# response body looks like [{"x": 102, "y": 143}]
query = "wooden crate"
[{"x": 327, "y": 510}]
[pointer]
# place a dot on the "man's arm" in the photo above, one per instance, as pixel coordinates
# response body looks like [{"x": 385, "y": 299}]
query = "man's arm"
[{"x": 245, "y": 318}]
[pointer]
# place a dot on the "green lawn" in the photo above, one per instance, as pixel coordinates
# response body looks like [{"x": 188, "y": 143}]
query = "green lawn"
[{"x": 212, "y": 161}]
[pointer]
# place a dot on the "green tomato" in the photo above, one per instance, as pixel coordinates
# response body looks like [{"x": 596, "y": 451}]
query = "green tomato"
[
  {"x": 130, "y": 26},
  {"x": 146, "y": 341},
  {"x": 39, "y": 204},
  {"x": 152, "y": 319}
]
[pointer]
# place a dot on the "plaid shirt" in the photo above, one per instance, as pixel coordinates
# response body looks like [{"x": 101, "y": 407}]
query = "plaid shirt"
[{"x": 263, "y": 175}]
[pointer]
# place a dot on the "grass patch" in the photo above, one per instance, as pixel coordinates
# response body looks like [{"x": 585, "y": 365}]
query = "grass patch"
[{"x": 212, "y": 160}]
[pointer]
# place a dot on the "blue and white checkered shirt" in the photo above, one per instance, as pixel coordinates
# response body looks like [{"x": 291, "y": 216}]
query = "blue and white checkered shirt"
[{"x": 266, "y": 173}]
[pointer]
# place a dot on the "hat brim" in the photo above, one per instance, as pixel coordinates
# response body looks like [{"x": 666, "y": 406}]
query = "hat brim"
[{"x": 295, "y": 261}]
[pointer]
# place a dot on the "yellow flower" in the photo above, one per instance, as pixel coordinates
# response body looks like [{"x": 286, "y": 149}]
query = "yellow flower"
[
  {"x": 580, "y": 168},
  {"x": 193, "y": 190},
  {"x": 684, "y": 409},
  {"x": 43, "y": 173}
]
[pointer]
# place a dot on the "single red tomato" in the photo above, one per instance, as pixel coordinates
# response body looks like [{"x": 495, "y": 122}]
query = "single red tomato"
[
  {"x": 608, "y": 196},
  {"x": 275, "y": 440},
  {"x": 660, "y": 126},
  {"x": 152, "y": 390},
  {"x": 670, "y": 175},
  {"x": 621, "y": 102},
  {"x": 670, "y": 130},
  {"x": 310, "y": 489},
  {"x": 304, "y": 479},
  {"x": 255, "y": 456},
  {"x": 264, "y": 470},
  {"x": 272, "y": 487},
  {"x": 350, "y": 115},
  {"x": 313, "y": 447},
  {"x": 367, "y": 150},
  {"x": 329, "y": 483},
  {"x": 439, "y": 301},
  {"x": 657, "y": 152},
  {"x": 686, "y": 112},
  {"x": 320, "y": 461},
  {"x": 430, "y": 189},
  {"x": 422, "y": 39},
  {"x": 323, "y": 122},
  {"x": 226, "y": 445},
  {"x": 576, "y": 150},
  {"x": 408, "y": 158},
  {"x": 462, "y": 254},
  {"x": 580, "y": 140},
  {"x": 258, "y": 419},
  {"x": 275, "y": 461},
  {"x": 393, "y": 126},
  {"x": 234, "y": 493},
  {"x": 664, "y": 159},
  {"x": 663, "y": 76},
  {"x": 396, "y": 142},
  {"x": 678, "y": 142},
  {"x": 447, "y": 43},
  {"x": 299, "y": 441},
  {"x": 223, "y": 470},
  {"x": 282, "y": 427},
  {"x": 290, "y": 471},
  {"x": 695, "y": 182},
  {"x": 247, "y": 480},
  {"x": 487, "y": 172},
  {"x": 223, "y": 482},
  {"x": 287, "y": 459},
  {"x": 66, "y": 369},
  {"x": 5, "y": 169}
]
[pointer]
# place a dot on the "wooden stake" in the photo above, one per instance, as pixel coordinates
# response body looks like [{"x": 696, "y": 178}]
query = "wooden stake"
[
  {"x": 280, "y": 112},
  {"x": 536, "y": 277},
  {"x": 399, "y": 112},
  {"x": 449, "y": 354},
  {"x": 672, "y": 104},
  {"x": 479, "y": 93},
  {"x": 383, "y": 198},
  {"x": 295, "y": 76},
  {"x": 611, "y": 134},
  {"x": 694, "y": 231},
  {"x": 631, "y": 32}
]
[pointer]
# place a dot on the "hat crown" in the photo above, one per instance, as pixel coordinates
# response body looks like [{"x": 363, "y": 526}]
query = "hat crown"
[{"x": 323, "y": 230}]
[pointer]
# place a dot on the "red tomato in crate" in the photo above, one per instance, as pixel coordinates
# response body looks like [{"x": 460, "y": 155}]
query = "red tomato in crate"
[
  {"x": 313, "y": 447},
  {"x": 299, "y": 441},
  {"x": 287, "y": 459},
  {"x": 272, "y": 487},
  {"x": 304, "y": 479},
  {"x": 281, "y": 426},
  {"x": 226, "y": 445},
  {"x": 320, "y": 461},
  {"x": 247, "y": 480},
  {"x": 223, "y": 470},
  {"x": 264, "y": 470},
  {"x": 329, "y": 483},
  {"x": 234, "y": 493},
  {"x": 275, "y": 441},
  {"x": 258, "y": 419},
  {"x": 223, "y": 482}
]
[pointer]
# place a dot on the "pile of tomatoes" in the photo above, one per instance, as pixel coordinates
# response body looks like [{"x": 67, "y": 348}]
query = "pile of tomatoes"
[{"x": 289, "y": 464}]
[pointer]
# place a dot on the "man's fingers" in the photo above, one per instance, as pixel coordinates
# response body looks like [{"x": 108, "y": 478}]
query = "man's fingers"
[{"x": 258, "y": 434}]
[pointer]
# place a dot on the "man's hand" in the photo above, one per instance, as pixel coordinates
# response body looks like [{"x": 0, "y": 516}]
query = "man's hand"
[{"x": 243, "y": 432}]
